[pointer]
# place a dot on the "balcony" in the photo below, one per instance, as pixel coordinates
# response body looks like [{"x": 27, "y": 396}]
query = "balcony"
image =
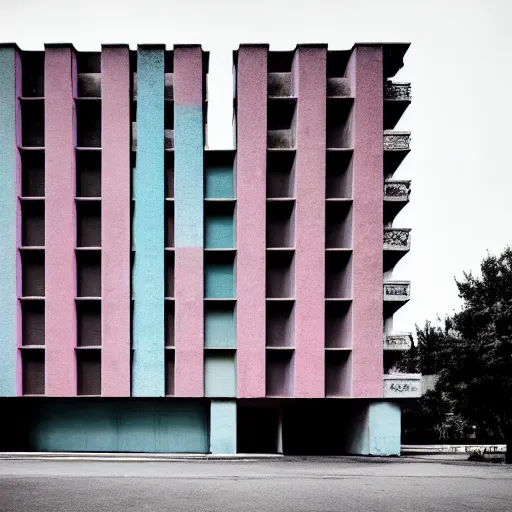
[
  {"x": 397, "y": 97},
  {"x": 396, "y": 294},
  {"x": 397, "y": 243},
  {"x": 398, "y": 341},
  {"x": 396, "y": 148},
  {"x": 397, "y": 91},
  {"x": 402, "y": 385},
  {"x": 396, "y": 196}
]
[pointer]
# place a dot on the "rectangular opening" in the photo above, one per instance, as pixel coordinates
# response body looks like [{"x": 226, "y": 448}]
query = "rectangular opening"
[
  {"x": 32, "y": 224},
  {"x": 89, "y": 74},
  {"x": 338, "y": 175},
  {"x": 338, "y": 373},
  {"x": 280, "y": 174},
  {"x": 280, "y": 324},
  {"x": 219, "y": 275},
  {"x": 169, "y": 372},
  {"x": 169, "y": 125},
  {"x": 33, "y": 372},
  {"x": 88, "y": 323},
  {"x": 88, "y": 62},
  {"x": 281, "y": 123},
  {"x": 168, "y": 86},
  {"x": 220, "y": 373},
  {"x": 88, "y": 273},
  {"x": 280, "y": 85},
  {"x": 88, "y": 363},
  {"x": 88, "y": 170},
  {"x": 32, "y": 173},
  {"x": 338, "y": 232},
  {"x": 32, "y": 274},
  {"x": 32, "y": 123},
  {"x": 338, "y": 325},
  {"x": 280, "y": 274},
  {"x": 32, "y": 76},
  {"x": 219, "y": 325},
  {"x": 280, "y": 224},
  {"x": 169, "y": 224},
  {"x": 219, "y": 175},
  {"x": 219, "y": 226},
  {"x": 169, "y": 174},
  {"x": 88, "y": 124},
  {"x": 279, "y": 373},
  {"x": 339, "y": 123},
  {"x": 32, "y": 323},
  {"x": 89, "y": 223},
  {"x": 169, "y": 274},
  {"x": 169, "y": 323},
  {"x": 280, "y": 62},
  {"x": 338, "y": 82},
  {"x": 338, "y": 275}
]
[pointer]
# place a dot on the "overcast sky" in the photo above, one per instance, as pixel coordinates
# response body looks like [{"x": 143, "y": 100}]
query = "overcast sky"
[{"x": 459, "y": 64}]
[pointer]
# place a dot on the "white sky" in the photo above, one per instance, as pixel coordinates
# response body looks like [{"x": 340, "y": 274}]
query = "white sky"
[{"x": 459, "y": 65}]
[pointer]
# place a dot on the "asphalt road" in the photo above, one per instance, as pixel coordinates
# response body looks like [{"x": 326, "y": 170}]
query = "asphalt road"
[{"x": 289, "y": 484}]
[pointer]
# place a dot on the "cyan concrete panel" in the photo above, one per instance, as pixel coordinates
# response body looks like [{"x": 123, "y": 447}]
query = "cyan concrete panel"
[
  {"x": 219, "y": 232},
  {"x": 219, "y": 326},
  {"x": 223, "y": 427},
  {"x": 188, "y": 175},
  {"x": 8, "y": 150},
  {"x": 385, "y": 427},
  {"x": 220, "y": 374},
  {"x": 219, "y": 182},
  {"x": 219, "y": 281},
  {"x": 148, "y": 228},
  {"x": 120, "y": 425}
]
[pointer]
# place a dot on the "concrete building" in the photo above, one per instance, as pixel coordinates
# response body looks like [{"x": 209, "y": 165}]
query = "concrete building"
[{"x": 157, "y": 295}]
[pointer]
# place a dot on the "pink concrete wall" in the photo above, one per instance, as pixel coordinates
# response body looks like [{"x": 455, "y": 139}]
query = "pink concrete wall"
[
  {"x": 250, "y": 223},
  {"x": 310, "y": 84},
  {"x": 365, "y": 70},
  {"x": 115, "y": 222},
  {"x": 60, "y": 221}
]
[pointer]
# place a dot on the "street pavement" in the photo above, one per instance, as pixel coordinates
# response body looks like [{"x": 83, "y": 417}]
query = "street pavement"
[{"x": 290, "y": 484}]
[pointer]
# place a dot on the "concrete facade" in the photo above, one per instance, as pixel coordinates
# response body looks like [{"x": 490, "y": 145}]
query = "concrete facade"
[{"x": 178, "y": 298}]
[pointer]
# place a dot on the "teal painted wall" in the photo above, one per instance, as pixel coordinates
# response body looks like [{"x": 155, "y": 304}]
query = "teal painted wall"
[
  {"x": 219, "y": 326},
  {"x": 119, "y": 425},
  {"x": 219, "y": 280},
  {"x": 219, "y": 182},
  {"x": 148, "y": 228},
  {"x": 223, "y": 426},
  {"x": 219, "y": 232},
  {"x": 8, "y": 150},
  {"x": 220, "y": 374}
]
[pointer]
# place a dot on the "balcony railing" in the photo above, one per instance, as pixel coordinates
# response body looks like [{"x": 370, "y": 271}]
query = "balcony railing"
[
  {"x": 397, "y": 239},
  {"x": 397, "y": 190},
  {"x": 396, "y": 140},
  {"x": 397, "y": 91},
  {"x": 398, "y": 341},
  {"x": 397, "y": 291},
  {"x": 402, "y": 385}
]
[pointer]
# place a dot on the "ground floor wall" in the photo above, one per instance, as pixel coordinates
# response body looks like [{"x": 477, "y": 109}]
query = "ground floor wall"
[{"x": 301, "y": 427}]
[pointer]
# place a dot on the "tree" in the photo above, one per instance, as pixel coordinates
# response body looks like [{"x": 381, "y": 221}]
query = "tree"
[{"x": 472, "y": 352}]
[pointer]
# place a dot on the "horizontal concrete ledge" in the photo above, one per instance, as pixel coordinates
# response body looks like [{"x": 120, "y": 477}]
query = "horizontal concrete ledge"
[
  {"x": 407, "y": 449},
  {"x": 134, "y": 457}
]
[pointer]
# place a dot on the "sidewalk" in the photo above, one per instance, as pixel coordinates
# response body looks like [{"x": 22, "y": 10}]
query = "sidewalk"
[{"x": 428, "y": 449}]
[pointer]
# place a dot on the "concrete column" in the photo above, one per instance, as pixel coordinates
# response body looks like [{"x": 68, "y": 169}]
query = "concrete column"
[
  {"x": 223, "y": 427},
  {"x": 374, "y": 429}
]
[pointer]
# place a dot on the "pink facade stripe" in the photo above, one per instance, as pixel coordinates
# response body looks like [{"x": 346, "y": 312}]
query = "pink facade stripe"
[
  {"x": 251, "y": 215},
  {"x": 115, "y": 222},
  {"x": 310, "y": 86},
  {"x": 189, "y": 337},
  {"x": 60, "y": 221},
  {"x": 367, "y": 309},
  {"x": 18, "y": 92}
]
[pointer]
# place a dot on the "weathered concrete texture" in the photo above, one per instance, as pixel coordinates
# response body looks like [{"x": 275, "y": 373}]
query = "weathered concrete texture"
[
  {"x": 148, "y": 274},
  {"x": 9, "y": 169},
  {"x": 60, "y": 222},
  {"x": 115, "y": 223},
  {"x": 223, "y": 426}
]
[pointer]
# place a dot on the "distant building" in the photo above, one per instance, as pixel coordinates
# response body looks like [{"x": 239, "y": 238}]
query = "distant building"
[{"x": 237, "y": 297}]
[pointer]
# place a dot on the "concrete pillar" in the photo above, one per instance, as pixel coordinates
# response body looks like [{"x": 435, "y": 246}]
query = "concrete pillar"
[
  {"x": 223, "y": 427},
  {"x": 374, "y": 429},
  {"x": 280, "y": 431}
]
